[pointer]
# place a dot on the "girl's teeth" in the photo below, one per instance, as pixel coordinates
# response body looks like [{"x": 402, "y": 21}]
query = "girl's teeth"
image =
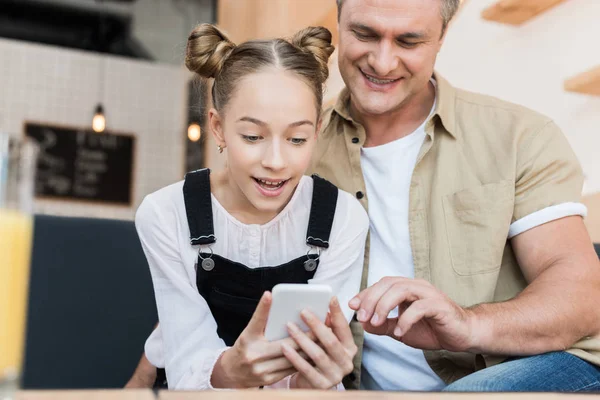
[{"x": 270, "y": 184}]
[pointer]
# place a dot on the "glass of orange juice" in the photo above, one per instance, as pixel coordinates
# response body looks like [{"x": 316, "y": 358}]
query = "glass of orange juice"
[{"x": 18, "y": 159}]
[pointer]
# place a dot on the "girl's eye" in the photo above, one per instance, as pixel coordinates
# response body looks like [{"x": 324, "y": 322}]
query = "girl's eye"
[
  {"x": 251, "y": 138},
  {"x": 297, "y": 141}
]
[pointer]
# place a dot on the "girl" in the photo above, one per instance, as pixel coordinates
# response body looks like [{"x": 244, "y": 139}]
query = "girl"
[{"x": 218, "y": 242}]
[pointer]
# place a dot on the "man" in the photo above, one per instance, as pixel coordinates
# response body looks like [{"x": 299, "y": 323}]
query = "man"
[{"x": 477, "y": 199}]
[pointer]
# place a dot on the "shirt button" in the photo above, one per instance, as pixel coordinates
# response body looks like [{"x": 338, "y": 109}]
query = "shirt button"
[
  {"x": 254, "y": 233},
  {"x": 355, "y": 140},
  {"x": 359, "y": 195}
]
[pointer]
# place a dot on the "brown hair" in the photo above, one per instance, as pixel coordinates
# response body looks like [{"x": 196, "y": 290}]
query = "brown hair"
[
  {"x": 449, "y": 9},
  {"x": 211, "y": 54}
]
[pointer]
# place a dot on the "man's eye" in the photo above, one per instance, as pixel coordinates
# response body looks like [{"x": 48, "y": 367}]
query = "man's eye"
[
  {"x": 362, "y": 36},
  {"x": 408, "y": 45}
]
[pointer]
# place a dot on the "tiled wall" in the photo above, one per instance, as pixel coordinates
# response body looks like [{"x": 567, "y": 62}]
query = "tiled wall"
[
  {"x": 62, "y": 87},
  {"x": 162, "y": 26}
]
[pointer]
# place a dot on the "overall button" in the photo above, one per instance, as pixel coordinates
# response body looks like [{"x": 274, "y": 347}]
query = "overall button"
[
  {"x": 310, "y": 265},
  {"x": 208, "y": 264}
]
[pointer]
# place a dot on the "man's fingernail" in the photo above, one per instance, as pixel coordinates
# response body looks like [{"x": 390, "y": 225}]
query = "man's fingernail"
[
  {"x": 397, "y": 332},
  {"x": 361, "y": 315},
  {"x": 355, "y": 302},
  {"x": 375, "y": 319}
]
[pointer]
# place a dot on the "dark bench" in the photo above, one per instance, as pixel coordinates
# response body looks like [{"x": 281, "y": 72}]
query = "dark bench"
[{"x": 91, "y": 305}]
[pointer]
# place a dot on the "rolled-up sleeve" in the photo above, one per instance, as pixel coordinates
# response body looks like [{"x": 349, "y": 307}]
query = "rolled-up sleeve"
[{"x": 548, "y": 179}]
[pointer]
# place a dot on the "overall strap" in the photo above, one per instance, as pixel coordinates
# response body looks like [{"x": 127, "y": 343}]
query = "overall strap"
[
  {"x": 322, "y": 211},
  {"x": 198, "y": 207}
]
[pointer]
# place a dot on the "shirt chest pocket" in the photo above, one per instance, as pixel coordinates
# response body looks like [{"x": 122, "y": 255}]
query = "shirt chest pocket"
[{"x": 477, "y": 222}]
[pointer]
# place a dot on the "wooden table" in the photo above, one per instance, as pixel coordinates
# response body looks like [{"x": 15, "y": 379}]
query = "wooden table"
[
  {"x": 362, "y": 395},
  {"x": 130, "y": 394},
  {"x": 285, "y": 395}
]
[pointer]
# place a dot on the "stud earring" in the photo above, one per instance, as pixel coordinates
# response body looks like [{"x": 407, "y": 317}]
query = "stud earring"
[{"x": 220, "y": 149}]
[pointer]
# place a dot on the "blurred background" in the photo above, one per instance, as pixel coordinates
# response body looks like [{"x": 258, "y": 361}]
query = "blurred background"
[{"x": 100, "y": 85}]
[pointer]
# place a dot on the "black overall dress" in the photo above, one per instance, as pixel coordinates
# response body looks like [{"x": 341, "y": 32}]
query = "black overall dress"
[{"x": 232, "y": 290}]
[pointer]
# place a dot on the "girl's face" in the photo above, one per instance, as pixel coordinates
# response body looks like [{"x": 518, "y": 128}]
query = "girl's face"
[{"x": 270, "y": 129}]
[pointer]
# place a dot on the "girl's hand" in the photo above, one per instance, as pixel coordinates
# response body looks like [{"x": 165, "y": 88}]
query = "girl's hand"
[
  {"x": 332, "y": 358},
  {"x": 253, "y": 361}
]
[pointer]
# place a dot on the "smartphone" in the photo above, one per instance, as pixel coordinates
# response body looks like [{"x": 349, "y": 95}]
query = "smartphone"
[{"x": 289, "y": 299}]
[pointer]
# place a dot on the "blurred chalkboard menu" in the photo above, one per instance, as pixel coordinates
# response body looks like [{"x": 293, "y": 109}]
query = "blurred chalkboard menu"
[{"x": 79, "y": 164}]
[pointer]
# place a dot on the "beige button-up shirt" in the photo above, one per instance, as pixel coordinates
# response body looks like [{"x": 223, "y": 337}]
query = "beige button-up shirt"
[{"x": 484, "y": 164}]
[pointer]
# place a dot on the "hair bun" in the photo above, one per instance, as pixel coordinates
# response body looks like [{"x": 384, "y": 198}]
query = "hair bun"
[
  {"x": 207, "y": 50},
  {"x": 317, "y": 41}
]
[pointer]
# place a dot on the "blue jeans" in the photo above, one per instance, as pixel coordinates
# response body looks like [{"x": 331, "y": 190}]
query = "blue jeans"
[{"x": 551, "y": 372}]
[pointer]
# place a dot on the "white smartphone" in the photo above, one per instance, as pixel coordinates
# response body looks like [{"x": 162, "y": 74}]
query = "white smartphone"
[{"x": 289, "y": 299}]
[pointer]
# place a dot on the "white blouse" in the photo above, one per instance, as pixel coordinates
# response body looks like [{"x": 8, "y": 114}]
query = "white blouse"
[{"x": 187, "y": 343}]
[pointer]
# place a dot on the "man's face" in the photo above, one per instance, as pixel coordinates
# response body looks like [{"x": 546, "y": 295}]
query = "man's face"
[{"x": 387, "y": 50}]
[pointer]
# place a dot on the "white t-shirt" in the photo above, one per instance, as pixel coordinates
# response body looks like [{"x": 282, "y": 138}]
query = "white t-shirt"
[
  {"x": 387, "y": 169},
  {"x": 186, "y": 342},
  {"x": 386, "y": 363}
]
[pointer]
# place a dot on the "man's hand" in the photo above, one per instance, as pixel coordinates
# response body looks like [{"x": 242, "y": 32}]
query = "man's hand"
[{"x": 427, "y": 318}]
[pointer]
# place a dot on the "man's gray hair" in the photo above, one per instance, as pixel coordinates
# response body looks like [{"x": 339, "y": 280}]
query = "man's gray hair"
[{"x": 449, "y": 9}]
